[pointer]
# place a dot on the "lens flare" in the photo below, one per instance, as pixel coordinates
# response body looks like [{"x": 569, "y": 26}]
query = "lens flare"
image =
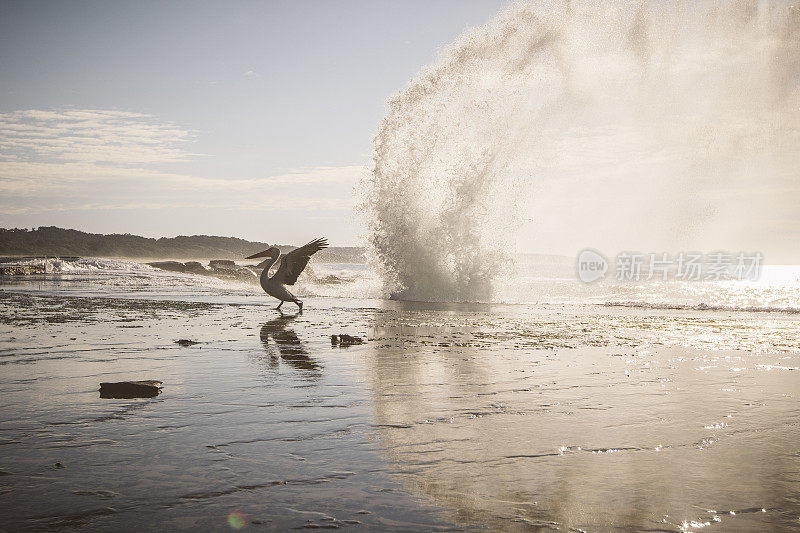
[{"x": 237, "y": 520}]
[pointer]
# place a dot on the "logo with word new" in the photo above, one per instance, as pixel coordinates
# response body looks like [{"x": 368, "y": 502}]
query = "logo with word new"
[{"x": 592, "y": 266}]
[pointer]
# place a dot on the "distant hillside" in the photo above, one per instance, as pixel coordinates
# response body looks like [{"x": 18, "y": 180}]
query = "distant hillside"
[{"x": 53, "y": 241}]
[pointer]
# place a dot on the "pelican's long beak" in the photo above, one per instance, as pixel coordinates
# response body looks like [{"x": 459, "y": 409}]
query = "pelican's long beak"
[{"x": 265, "y": 253}]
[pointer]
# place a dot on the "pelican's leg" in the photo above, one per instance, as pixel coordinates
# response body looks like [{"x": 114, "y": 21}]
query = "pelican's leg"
[
  {"x": 300, "y": 305},
  {"x": 279, "y": 306}
]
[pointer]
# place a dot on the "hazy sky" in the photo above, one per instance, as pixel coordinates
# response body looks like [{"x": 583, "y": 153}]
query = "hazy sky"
[
  {"x": 256, "y": 119},
  {"x": 249, "y": 119}
]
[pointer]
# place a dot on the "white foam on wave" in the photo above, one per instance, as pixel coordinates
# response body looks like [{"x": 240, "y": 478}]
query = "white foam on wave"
[
  {"x": 536, "y": 282},
  {"x": 55, "y": 265}
]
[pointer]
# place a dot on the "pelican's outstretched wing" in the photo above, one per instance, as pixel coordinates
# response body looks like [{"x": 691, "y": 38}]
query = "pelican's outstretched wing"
[{"x": 295, "y": 261}]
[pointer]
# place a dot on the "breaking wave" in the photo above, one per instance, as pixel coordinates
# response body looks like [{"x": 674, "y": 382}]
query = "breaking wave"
[
  {"x": 71, "y": 265},
  {"x": 664, "y": 100}
]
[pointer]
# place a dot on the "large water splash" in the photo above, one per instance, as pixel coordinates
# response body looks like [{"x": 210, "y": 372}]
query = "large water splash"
[{"x": 663, "y": 100}]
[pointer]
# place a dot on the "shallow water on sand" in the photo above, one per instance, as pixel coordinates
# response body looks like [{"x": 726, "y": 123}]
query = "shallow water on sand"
[{"x": 451, "y": 417}]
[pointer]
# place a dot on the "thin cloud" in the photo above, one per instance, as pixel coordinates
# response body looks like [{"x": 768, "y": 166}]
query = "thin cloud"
[
  {"x": 91, "y": 136},
  {"x": 281, "y": 203},
  {"x": 90, "y": 160},
  {"x": 25, "y": 178}
]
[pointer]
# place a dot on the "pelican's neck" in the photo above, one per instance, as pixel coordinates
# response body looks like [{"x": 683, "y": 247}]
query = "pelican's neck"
[{"x": 267, "y": 264}]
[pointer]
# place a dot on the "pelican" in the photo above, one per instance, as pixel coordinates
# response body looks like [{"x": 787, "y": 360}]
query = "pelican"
[{"x": 292, "y": 265}]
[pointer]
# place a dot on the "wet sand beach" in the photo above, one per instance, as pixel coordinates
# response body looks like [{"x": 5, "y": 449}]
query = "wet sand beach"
[{"x": 449, "y": 416}]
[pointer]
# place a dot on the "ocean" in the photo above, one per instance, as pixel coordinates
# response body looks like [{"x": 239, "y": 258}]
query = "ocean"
[{"x": 561, "y": 406}]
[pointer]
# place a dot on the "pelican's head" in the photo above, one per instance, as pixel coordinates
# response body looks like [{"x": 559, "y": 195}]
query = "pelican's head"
[{"x": 271, "y": 252}]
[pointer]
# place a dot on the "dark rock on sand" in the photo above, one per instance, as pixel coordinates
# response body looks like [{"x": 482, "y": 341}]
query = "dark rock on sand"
[
  {"x": 130, "y": 389},
  {"x": 345, "y": 340},
  {"x": 186, "y": 342},
  {"x": 169, "y": 266}
]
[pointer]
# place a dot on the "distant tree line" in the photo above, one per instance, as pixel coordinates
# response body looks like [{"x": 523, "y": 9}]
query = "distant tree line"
[{"x": 54, "y": 241}]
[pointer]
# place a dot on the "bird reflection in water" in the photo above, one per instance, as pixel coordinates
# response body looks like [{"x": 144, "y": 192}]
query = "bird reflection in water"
[{"x": 277, "y": 336}]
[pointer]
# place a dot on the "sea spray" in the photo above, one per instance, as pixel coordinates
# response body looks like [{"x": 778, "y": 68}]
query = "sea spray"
[{"x": 644, "y": 107}]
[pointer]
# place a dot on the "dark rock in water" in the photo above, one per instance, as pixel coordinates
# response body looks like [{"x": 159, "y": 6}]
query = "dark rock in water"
[
  {"x": 219, "y": 268},
  {"x": 194, "y": 267},
  {"x": 345, "y": 340},
  {"x": 170, "y": 266},
  {"x": 222, "y": 264},
  {"x": 186, "y": 342},
  {"x": 233, "y": 272},
  {"x": 130, "y": 389}
]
